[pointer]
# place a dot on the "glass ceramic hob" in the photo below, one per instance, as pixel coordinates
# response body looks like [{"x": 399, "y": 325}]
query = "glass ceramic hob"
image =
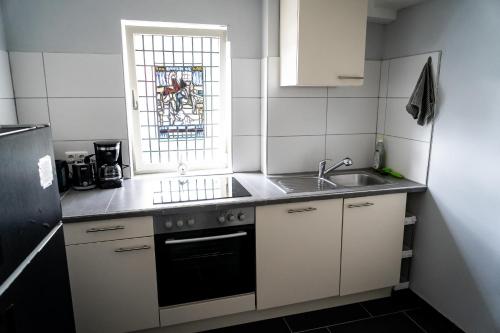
[{"x": 197, "y": 188}]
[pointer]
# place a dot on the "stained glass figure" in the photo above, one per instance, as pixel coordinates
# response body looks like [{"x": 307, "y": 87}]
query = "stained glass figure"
[{"x": 179, "y": 101}]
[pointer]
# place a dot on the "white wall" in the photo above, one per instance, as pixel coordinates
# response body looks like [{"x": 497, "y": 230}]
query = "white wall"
[
  {"x": 456, "y": 266},
  {"x": 407, "y": 144},
  {"x": 8, "y": 114}
]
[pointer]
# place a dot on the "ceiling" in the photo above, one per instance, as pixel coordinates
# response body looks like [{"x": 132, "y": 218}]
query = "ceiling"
[
  {"x": 386, "y": 11},
  {"x": 395, "y": 4}
]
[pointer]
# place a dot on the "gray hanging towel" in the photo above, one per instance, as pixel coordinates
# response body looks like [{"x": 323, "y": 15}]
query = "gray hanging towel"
[{"x": 422, "y": 100}]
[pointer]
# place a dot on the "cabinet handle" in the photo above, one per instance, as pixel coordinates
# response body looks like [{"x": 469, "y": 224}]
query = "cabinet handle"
[
  {"x": 301, "y": 210},
  {"x": 116, "y": 227},
  {"x": 137, "y": 248},
  {"x": 365, "y": 204},
  {"x": 350, "y": 77}
]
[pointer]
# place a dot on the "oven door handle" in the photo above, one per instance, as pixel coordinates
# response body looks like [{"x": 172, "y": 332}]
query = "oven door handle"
[{"x": 205, "y": 239}]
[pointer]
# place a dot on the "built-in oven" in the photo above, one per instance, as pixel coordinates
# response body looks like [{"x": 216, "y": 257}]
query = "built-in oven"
[{"x": 204, "y": 256}]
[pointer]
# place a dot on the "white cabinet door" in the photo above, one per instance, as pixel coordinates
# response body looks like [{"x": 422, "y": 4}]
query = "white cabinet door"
[
  {"x": 113, "y": 285},
  {"x": 372, "y": 239},
  {"x": 298, "y": 252},
  {"x": 323, "y": 42}
]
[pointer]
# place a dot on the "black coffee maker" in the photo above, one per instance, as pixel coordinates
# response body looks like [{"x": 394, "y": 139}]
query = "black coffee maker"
[{"x": 108, "y": 158}]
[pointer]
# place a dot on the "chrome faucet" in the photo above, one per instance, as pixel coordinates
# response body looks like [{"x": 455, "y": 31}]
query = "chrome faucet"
[{"x": 321, "y": 167}]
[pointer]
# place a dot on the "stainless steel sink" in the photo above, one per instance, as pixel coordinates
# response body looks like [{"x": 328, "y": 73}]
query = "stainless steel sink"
[
  {"x": 298, "y": 183},
  {"x": 356, "y": 179}
]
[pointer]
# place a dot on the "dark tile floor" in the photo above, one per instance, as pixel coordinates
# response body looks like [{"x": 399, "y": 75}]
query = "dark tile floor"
[{"x": 403, "y": 312}]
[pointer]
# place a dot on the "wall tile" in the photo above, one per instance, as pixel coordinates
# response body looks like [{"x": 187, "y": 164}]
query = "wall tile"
[
  {"x": 88, "y": 118},
  {"x": 274, "y": 89},
  {"x": 384, "y": 78},
  {"x": 409, "y": 157},
  {"x": 359, "y": 147},
  {"x": 404, "y": 73},
  {"x": 8, "y": 114},
  {"x": 294, "y": 154},
  {"x": 32, "y": 110},
  {"x": 370, "y": 87},
  {"x": 352, "y": 115},
  {"x": 246, "y": 153},
  {"x": 382, "y": 105},
  {"x": 5, "y": 77},
  {"x": 296, "y": 116},
  {"x": 400, "y": 123},
  {"x": 245, "y": 77},
  {"x": 60, "y": 147},
  {"x": 84, "y": 75},
  {"x": 246, "y": 116},
  {"x": 28, "y": 74}
]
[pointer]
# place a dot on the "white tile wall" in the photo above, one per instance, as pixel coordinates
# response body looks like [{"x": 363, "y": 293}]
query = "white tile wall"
[
  {"x": 370, "y": 87},
  {"x": 352, "y": 115},
  {"x": 84, "y": 75},
  {"x": 245, "y": 77},
  {"x": 359, "y": 148},
  {"x": 28, "y": 74},
  {"x": 246, "y": 153},
  {"x": 401, "y": 124},
  {"x": 32, "y": 110},
  {"x": 5, "y": 76},
  {"x": 246, "y": 116},
  {"x": 294, "y": 154},
  {"x": 88, "y": 118},
  {"x": 7, "y": 112},
  {"x": 406, "y": 143},
  {"x": 409, "y": 157},
  {"x": 296, "y": 116},
  {"x": 384, "y": 78},
  {"x": 404, "y": 73},
  {"x": 382, "y": 105},
  {"x": 274, "y": 89}
]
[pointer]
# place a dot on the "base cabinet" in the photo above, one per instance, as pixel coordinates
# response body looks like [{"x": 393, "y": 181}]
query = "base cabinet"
[
  {"x": 372, "y": 239},
  {"x": 113, "y": 284},
  {"x": 298, "y": 252}
]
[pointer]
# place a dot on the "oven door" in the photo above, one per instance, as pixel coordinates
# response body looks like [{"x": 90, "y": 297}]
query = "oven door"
[{"x": 205, "y": 264}]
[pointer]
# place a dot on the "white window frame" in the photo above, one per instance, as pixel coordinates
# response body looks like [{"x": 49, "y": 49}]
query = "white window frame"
[{"x": 129, "y": 28}]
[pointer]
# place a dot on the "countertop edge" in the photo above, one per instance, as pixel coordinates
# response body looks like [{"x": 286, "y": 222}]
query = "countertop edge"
[{"x": 256, "y": 202}]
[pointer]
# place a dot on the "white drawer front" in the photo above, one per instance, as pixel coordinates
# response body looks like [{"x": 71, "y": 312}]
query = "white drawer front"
[{"x": 104, "y": 230}]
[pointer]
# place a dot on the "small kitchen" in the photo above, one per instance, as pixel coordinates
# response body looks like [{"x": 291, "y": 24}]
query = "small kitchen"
[{"x": 247, "y": 166}]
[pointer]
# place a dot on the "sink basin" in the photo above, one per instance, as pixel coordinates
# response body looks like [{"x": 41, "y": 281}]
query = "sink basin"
[
  {"x": 297, "y": 184},
  {"x": 356, "y": 179}
]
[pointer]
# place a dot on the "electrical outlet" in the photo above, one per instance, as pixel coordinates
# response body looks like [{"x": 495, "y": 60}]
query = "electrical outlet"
[{"x": 73, "y": 157}]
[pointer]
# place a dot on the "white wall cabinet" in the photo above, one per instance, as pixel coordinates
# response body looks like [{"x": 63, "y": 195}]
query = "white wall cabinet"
[
  {"x": 372, "y": 239},
  {"x": 322, "y": 42},
  {"x": 298, "y": 252},
  {"x": 113, "y": 285}
]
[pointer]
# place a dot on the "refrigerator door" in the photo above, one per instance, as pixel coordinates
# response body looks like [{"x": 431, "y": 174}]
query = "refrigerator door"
[{"x": 29, "y": 199}]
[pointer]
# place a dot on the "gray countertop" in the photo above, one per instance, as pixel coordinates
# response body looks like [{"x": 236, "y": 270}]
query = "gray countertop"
[{"x": 135, "y": 198}]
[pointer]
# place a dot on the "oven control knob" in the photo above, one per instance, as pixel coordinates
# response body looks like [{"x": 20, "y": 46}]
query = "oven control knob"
[
  {"x": 241, "y": 216},
  {"x": 231, "y": 218},
  {"x": 191, "y": 222},
  {"x": 169, "y": 224},
  {"x": 180, "y": 223},
  {"x": 221, "y": 219}
]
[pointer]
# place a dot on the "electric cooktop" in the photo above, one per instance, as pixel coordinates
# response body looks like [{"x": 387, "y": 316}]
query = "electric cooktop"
[{"x": 198, "y": 188}]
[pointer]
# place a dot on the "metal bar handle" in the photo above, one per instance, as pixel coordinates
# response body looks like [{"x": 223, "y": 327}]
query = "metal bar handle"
[
  {"x": 205, "y": 239},
  {"x": 115, "y": 227},
  {"x": 350, "y": 77},
  {"x": 137, "y": 248},
  {"x": 365, "y": 204},
  {"x": 301, "y": 210},
  {"x": 135, "y": 103}
]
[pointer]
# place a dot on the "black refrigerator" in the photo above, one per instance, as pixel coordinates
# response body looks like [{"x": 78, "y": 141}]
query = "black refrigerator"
[{"x": 34, "y": 284}]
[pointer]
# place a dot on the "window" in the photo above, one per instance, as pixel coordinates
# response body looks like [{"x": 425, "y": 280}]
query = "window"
[{"x": 177, "y": 92}]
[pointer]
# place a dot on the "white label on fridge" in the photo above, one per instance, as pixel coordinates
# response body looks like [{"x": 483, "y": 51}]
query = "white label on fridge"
[{"x": 45, "y": 171}]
